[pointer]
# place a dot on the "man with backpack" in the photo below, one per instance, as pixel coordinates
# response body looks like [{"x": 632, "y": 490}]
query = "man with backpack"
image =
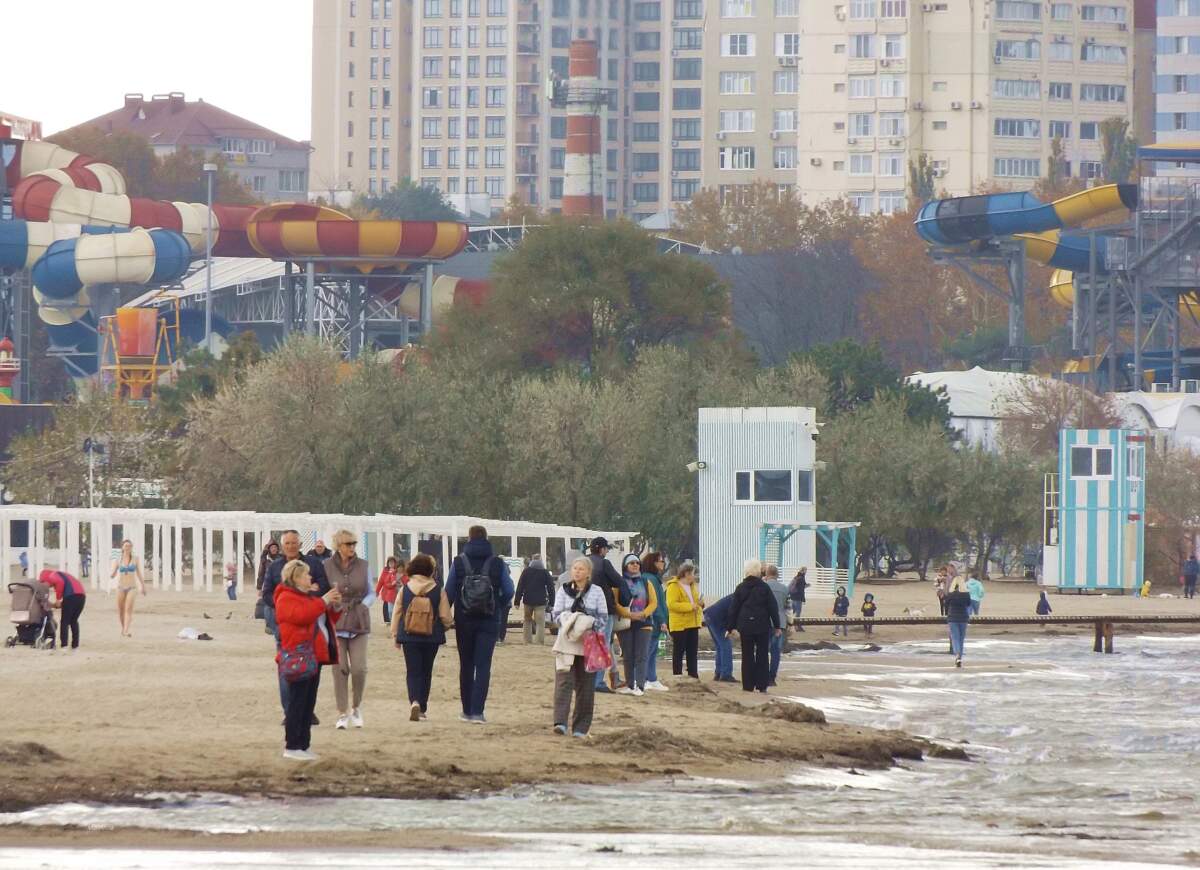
[{"x": 478, "y": 587}]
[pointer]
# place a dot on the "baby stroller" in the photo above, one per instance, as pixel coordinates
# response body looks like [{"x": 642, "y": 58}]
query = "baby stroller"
[{"x": 30, "y": 613}]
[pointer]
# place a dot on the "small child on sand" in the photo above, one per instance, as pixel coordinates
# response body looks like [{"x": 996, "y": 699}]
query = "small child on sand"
[
  {"x": 231, "y": 578},
  {"x": 1043, "y": 606},
  {"x": 1146, "y": 589},
  {"x": 868, "y": 611},
  {"x": 841, "y": 607}
]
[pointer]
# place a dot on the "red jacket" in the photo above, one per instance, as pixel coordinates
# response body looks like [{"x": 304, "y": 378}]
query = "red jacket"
[
  {"x": 297, "y": 614},
  {"x": 386, "y": 587}
]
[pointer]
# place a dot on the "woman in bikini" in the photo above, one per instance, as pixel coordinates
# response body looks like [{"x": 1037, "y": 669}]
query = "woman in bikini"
[{"x": 129, "y": 570}]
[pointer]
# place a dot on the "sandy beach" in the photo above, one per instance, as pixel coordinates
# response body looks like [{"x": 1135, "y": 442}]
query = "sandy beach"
[{"x": 121, "y": 718}]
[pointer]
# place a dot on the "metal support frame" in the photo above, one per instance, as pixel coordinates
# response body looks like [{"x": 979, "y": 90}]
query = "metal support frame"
[{"x": 1010, "y": 255}]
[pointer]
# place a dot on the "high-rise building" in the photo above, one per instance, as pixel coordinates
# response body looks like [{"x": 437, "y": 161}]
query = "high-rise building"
[
  {"x": 982, "y": 88},
  {"x": 1177, "y": 79}
]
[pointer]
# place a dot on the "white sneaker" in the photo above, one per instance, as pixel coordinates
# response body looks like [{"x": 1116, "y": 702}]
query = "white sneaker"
[
  {"x": 310, "y": 755},
  {"x": 295, "y": 755},
  {"x": 356, "y": 718},
  {"x": 625, "y": 690},
  {"x": 657, "y": 686},
  {"x": 637, "y": 693},
  {"x": 414, "y": 712},
  {"x": 343, "y": 723}
]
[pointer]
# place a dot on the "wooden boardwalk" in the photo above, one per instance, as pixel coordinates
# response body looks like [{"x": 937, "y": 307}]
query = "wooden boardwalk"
[{"x": 1103, "y": 624}]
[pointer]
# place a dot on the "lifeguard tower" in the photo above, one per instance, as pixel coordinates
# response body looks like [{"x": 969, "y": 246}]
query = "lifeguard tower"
[{"x": 1094, "y": 518}]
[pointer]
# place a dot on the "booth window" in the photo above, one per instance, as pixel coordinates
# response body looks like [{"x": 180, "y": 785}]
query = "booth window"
[
  {"x": 1091, "y": 462},
  {"x": 770, "y": 487}
]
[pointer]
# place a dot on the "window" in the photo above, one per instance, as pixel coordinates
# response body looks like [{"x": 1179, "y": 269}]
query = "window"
[
  {"x": 1017, "y": 89},
  {"x": 494, "y": 127},
  {"x": 472, "y": 158},
  {"x": 431, "y": 98},
  {"x": 647, "y": 12},
  {"x": 352, "y": 39},
  {"x": 893, "y": 124},
  {"x": 1087, "y": 130},
  {"x": 737, "y": 8},
  {"x": 431, "y": 128},
  {"x": 687, "y": 69},
  {"x": 1059, "y": 91},
  {"x": 387, "y": 67},
  {"x": 939, "y": 125},
  {"x": 892, "y": 86},
  {"x": 683, "y": 191},
  {"x": 647, "y": 41},
  {"x": 736, "y": 83},
  {"x": 787, "y": 81},
  {"x": 1096, "y": 53},
  {"x": 737, "y": 45},
  {"x": 372, "y": 159},
  {"x": 862, "y": 200},
  {"x": 1061, "y": 11},
  {"x": 497, "y": 7},
  {"x": 685, "y": 128},
  {"x": 561, "y": 8},
  {"x": 349, "y": 129},
  {"x": 495, "y": 97},
  {"x": 496, "y": 67},
  {"x": 374, "y": 9},
  {"x": 291, "y": 180},
  {"x": 685, "y": 98},
  {"x": 685, "y": 38},
  {"x": 645, "y": 131},
  {"x": 689, "y": 9},
  {"x": 1090, "y": 93},
  {"x": 387, "y": 98},
  {"x": 497, "y": 36},
  {"x": 1018, "y": 10},
  {"x": 493, "y": 157},
  {"x": 862, "y": 45},
  {"x": 385, "y": 158},
  {"x": 610, "y": 159},
  {"x": 472, "y": 98},
  {"x": 860, "y": 9},
  {"x": 1111, "y": 14},
  {"x": 1060, "y": 49},
  {"x": 771, "y": 487},
  {"x": 453, "y": 158},
  {"x": 1017, "y": 128},
  {"x": 785, "y": 121},
  {"x": 452, "y": 128},
  {"x": 646, "y": 102},
  {"x": 736, "y": 157},
  {"x": 862, "y": 164},
  {"x": 862, "y": 87},
  {"x": 893, "y": 9},
  {"x": 454, "y": 67},
  {"x": 1019, "y": 49},
  {"x": 472, "y": 8},
  {"x": 1017, "y": 167},
  {"x": 349, "y": 159},
  {"x": 891, "y": 201},
  {"x": 645, "y": 161},
  {"x": 785, "y": 156},
  {"x": 372, "y": 98},
  {"x": 558, "y": 158},
  {"x": 939, "y": 86},
  {"x": 862, "y": 124},
  {"x": 735, "y": 121},
  {"x": 1091, "y": 462},
  {"x": 472, "y": 128},
  {"x": 647, "y": 192},
  {"x": 891, "y": 164},
  {"x": 645, "y": 71},
  {"x": 560, "y": 37},
  {"x": 431, "y": 67},
  {"x": 1059, "y": 130},
  {"x": 787, "y": 8},
  {"x": 472, "y": 67},
  {"x": 430, "y": 158},
  {"x": 1090, "y": 169},
  {"x": 350, "y": 70},
  {"x": 494, "y": 186},
  {"x": 685, "y": 160},
  {"x": 893, "y": 46}
]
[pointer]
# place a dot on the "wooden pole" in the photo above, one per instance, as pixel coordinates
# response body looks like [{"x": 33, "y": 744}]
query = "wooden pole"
[
  {"x": 1108, "y": 637},
  {"x": 1098, "y": 645}
]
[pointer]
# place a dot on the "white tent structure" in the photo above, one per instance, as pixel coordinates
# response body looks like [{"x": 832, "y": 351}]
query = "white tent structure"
[
  {"x": 1175, "y": 415},
  {"x": 977, "y": 400},
  {"x": 169, "y": 541}
]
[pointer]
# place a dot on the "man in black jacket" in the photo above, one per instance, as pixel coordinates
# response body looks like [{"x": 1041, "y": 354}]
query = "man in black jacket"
[
  {"x": 535, "y": 589},
  {"x": 755, "y": 615},
  {"x": 606, "y": 577}
]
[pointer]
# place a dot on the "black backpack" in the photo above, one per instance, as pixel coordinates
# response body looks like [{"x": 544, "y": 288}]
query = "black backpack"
[{"x": 477, "y": 597}]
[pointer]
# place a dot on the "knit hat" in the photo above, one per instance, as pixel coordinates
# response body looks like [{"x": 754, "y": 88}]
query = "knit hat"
[{"x": 630, "y": 557}]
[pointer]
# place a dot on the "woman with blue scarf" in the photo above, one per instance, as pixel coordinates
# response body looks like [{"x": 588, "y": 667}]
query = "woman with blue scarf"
[
  {"x": 652, "y": 570},
  {"x": 635, "y": 637}
]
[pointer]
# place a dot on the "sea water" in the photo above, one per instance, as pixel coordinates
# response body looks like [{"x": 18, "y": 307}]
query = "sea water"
[{"x": 1079, "y": 760}]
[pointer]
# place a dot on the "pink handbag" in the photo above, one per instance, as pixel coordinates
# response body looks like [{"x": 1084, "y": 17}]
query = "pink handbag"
[{"x": 596, "y": 655}]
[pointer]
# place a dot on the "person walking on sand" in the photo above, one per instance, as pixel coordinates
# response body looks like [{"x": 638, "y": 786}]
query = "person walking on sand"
[
  {"x": 1190, "y": 571},
  {"x": 771, "y": 578},
  {"x": 1043, "y": 605},
  {"x": 796, "y": 593},
  {"x": 535, "y": 590},
  {"x": 477, "y": 586},
  {"x": 716, "y": 620},
  {"x": 578, "y": 608},
  {"x": 289, "y": 546},
  {"x": 939, "y": 589},
  {"x": 320, "y": 551},
  {"x": 419, "y": 629},
  {"x": 685, "y": 613},
  {"x": 306, "y": 620},
  {"x": 958, "y": 614},
  {"x": 385, "y": 587},
  {"x": 841, "y": 607},
  {"x": 652, "y": 570},
  {"x": 69, "y": 597},
  {"x": 975, "y": 590},
  {"x": 349, "y": 575},
  {"x": 270, "y": 553},
  {"x": 231, "y": 580},
  {"x": 606, "y": 578},
  {"x": 755, "y": 616},
  {"x": 129, "y": 567},
  {"x": 635, "y": 640},
  {"x": 868, "y": 611}
]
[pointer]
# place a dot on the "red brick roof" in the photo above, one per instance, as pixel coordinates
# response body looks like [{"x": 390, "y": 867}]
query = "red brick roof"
[{"x": 169, "y": 119}]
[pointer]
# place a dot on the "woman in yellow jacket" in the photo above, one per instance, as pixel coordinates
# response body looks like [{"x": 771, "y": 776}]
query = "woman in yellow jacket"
[{"x": 685, "y": 614}]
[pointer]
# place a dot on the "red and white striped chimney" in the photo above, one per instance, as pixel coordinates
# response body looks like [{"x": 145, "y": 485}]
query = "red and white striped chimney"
[{"x": 583, "y": 182}]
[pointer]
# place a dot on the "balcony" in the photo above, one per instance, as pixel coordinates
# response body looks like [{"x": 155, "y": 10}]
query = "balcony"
[
  {"x": 527, "y": 108},
  {"x": 530, "y": 47},
  {"x": 526, "y": 137},
  {"x": 526, "y": 165}
]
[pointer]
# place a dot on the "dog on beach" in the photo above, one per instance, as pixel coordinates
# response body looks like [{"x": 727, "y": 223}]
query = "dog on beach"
[{"x": 913, "y": 611}]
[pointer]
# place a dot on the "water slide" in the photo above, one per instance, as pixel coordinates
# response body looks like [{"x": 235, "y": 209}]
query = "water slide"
[{"x": 77, "y": 227}]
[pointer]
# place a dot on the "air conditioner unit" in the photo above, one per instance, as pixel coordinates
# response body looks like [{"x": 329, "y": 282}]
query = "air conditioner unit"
[
  {"x": 720, "y": 135},
  {"x": 1190, "y": 385},
  {"x": 956, "y": 106},
  {"x": 1060, "y": 38},
  {"x": 918, "y": 106},
  {"x": 675, "y": 23},
  {"x": 674, "y": 143},
  {"x": 895, "y": 141},
  {"x": 1161, "y": 387},
  {"x": 840, "y": 16},
  {"x": 787, "y": 61},
  {"x": 774, "y": 134},
  {"x": 885, "y": 62},
  {"x": 674, "y": 52},
  {"x": 637, "y": 175},
  {"x": 938, "y": 172},
  {"x": 674, "y": 173},
  {"x": 851, "y": 141},
  {"x": 814, "y": 161},
  {"x": 926, "y": 7},
  {"x": 1090, "y": 40},
  {"x": 1122, "y": 26},
  {"x": 975, "y": 104}
]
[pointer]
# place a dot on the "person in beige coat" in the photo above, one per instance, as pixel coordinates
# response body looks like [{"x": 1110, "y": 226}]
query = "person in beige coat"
[
  {"x": 348, "y": 574},
  {"x": 420, "y": 649}
]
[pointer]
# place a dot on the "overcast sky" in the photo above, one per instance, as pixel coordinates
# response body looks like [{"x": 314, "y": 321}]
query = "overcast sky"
[{"x": 65, "y": 61}]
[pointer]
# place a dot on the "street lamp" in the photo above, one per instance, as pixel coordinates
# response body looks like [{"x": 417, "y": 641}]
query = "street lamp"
[{"x": 210, "y": 172}]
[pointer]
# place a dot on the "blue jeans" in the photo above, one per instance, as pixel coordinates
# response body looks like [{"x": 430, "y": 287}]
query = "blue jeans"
[
  {"x": 958, "y": 636},
  {"x": 797, "y": 606},
  {"x": 652, "y": 653},
  {"x": 975, "y": 606},
  {"x": 724, "y": 651},
  {"x": 776, "y": 654},
  {"x": 476, "y": 642},
  {"x": 607, "y": 628}
]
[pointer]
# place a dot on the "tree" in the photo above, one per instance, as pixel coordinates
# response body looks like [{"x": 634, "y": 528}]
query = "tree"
[
  {"x": 129, "y": 153},
  {"x": 201, "y": 375},
  {"x": 586, "y": 294},
  {"x": 1001, "y": 501},
  {"x": 1036, "y": 409},
  {"x": 1172, "y": 511},
  {"x": 1058, "y": 173},
  {"x": 857, "y": 374},
  {"x": 519, "y": 213},
  {"x": 985, "y": 346},
  {"x": 407, "y": 201},
  {"x": 921, "y": 181},
  {"x": 1118, "y": 150}
]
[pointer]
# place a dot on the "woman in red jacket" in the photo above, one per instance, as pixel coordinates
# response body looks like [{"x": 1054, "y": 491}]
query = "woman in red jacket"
[
  {"x": 385, "y": 589},
  {"x": 304, "y": 617}
]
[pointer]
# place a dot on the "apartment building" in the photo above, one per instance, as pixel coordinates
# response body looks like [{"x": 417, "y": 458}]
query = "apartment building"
[
  {"x": 1177, "y": 79},
  {"x": 982, "y": 88}
]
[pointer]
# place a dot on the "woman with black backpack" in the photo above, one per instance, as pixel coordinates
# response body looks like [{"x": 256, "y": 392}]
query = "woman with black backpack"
[
  {"x": 419, "y": 628},
  {"x": 754, "y": 614}
]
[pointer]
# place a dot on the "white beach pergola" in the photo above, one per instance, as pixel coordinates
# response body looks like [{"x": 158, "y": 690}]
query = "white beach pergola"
[{"x": 211, "y": 538}]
